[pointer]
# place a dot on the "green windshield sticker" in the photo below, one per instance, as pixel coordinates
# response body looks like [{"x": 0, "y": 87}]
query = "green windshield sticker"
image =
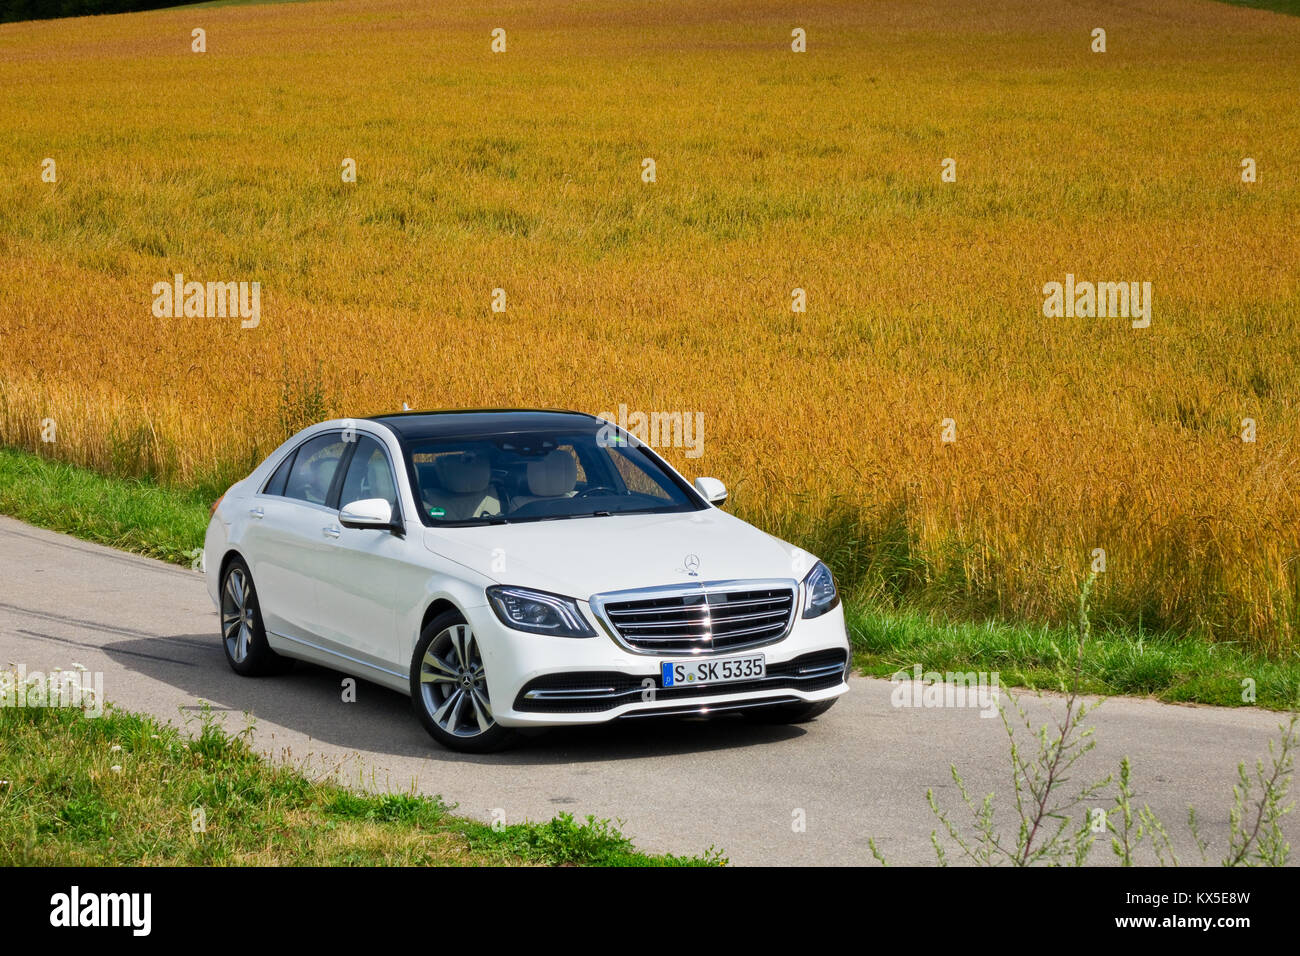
[{"x": 437, "y": 512}]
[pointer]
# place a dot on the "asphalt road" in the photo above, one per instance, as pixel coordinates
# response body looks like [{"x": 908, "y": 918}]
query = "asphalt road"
[{"x": 860, "y": 771}]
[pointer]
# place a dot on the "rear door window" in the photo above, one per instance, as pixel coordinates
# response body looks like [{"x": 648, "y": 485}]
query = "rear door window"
[{"x": 314, "y": 468}]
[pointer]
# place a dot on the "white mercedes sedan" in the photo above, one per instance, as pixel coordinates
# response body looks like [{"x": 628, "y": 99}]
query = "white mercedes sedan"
[{"x": 514, "y": 569}]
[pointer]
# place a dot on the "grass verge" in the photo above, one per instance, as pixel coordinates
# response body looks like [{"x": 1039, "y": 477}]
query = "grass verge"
[
  {"x": 128, "y": 513},
  {"x": 1169, "y": 667},
  {"x": 141, "y": 516},
  {"x": 124, "y": 789}
]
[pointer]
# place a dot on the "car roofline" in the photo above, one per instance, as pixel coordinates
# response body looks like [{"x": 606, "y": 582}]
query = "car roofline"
[
  {"x": 418, "y": 426},
  {"x": 409, "y": 413}
]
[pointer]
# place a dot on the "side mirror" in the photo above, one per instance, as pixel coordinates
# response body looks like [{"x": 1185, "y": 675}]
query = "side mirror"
[
  {"x": 713, "y": 491},
  {"x": 367, "y": 513}
]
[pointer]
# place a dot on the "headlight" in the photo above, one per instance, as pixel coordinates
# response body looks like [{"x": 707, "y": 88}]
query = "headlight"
[
  {"x": 538, "y": 612},
  {"x": 819, "y": 594}
]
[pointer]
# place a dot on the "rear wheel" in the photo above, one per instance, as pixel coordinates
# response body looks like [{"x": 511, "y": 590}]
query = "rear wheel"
[
  {"x": 449, "y": 688},
  {"x": 242, "y": 633},
  {"x": 790, "y": 713}
]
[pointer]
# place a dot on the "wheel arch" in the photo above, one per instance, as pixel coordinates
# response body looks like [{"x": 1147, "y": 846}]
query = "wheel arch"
[
  {"x": 438, "y": 606},
  {"x": 226, "y": 559}
]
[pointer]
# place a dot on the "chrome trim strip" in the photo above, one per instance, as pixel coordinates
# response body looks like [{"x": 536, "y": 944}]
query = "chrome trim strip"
[
  {"x": 333, "y": 653},
  {"x": 825, "y": 670},
  {"x": 568, "y": 694},
  {"x": 685, "y": 588},
  {"x": 697, "y": 608},
  {"x": 664, "y": 638},
  {"x": 711, "y": 617},
  {"x": 682, "y": 710}
]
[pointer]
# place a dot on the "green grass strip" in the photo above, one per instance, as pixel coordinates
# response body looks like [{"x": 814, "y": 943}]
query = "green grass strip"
[
  {"x": 130, "y": 514},
  {"x": 126, "y": 790},
  {"x": 1169, "y": 667}
]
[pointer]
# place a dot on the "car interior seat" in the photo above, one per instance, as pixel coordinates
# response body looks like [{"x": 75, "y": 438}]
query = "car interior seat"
[
  {"x": 553, "y": 476},
  {"x": 464, "y": 488}
]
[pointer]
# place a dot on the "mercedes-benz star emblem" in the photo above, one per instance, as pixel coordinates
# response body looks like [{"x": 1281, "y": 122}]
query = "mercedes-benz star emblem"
[{"x": 691, "y": 565}]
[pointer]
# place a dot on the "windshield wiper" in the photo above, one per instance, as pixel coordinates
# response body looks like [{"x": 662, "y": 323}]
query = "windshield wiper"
[{"x": 578, "y": 514}]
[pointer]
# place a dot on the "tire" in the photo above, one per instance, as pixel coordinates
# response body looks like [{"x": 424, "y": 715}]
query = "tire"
[
  {"x": 242, "y": 635},
  {"x": 449, "y": 688},
  {"x": 790, "y": 713}
]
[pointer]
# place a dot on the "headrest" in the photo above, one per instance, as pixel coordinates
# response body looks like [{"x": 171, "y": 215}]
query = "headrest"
[
  {"x": 463, "y": 474},
  {"x": 381, "y": 482},
  {"x": 554, "y": 475}
]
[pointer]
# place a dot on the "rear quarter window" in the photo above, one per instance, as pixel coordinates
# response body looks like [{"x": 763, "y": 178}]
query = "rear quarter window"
[{"x": 275, "y": 486}]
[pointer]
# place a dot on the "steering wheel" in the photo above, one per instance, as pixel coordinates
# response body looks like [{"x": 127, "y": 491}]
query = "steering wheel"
[{"x": 594, "y": 490}]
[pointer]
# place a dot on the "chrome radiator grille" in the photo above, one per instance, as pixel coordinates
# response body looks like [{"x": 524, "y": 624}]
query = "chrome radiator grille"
[{"x": 700, "y": 618}]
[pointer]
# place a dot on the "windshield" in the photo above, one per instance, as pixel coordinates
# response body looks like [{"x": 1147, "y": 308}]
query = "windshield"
[{"x": 537, "y": 476}]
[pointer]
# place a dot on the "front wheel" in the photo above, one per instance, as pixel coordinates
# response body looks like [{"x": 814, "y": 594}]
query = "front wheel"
[{"x": 449, "y": 688}]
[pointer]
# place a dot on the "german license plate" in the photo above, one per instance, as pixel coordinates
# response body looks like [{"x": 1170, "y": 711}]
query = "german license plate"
[{"x": 713, "y": 671}]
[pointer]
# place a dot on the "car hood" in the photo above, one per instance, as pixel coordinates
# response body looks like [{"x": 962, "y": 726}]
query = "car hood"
[{"x": 580, "y": 557}]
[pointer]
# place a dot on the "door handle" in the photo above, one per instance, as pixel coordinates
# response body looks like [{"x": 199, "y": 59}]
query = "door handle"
[
  {"x": 256, "y": 513},
  {"x": 331, "y": 532}
]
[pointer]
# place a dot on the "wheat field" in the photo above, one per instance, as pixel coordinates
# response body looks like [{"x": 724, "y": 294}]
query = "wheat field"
[{"x": 774, "y": 170}]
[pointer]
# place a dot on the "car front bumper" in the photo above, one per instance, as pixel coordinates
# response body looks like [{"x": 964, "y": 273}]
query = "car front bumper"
[{"x": 537, "y": 680}]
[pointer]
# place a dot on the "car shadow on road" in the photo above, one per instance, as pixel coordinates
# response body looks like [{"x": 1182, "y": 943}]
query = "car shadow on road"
[{"x": 310, "y": 700}]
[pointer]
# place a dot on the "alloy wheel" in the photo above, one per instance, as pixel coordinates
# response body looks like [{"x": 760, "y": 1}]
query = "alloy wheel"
[
  {"x": 237, "y": 614},
  {"x": 453, "y": 683}
]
